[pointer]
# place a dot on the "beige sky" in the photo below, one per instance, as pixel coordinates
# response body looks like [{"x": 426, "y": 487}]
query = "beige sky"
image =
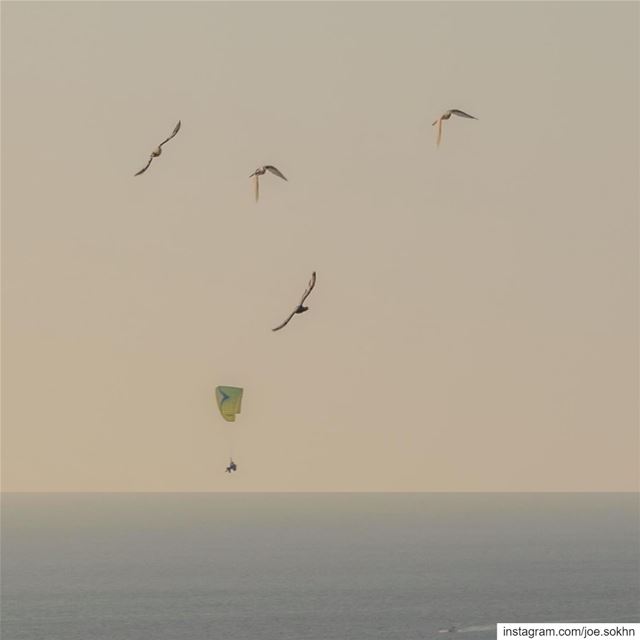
[{"x": 475, "y": 322}]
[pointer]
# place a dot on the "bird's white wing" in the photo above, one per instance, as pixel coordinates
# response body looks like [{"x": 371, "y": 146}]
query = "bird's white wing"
[
  {"x": 177, "y": 128},
  {"x": 312, "y": 283},
  {"x": 145, "y": 168},
  {"x": 275, "y": 171},
  {"x": 286, "y": 322},
  {"x": 439, "y": 133},
  {"x": 462, "y": 114}
]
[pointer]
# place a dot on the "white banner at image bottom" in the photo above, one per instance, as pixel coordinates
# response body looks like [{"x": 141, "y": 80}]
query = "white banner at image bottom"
[{"x": 532, "y": 630}]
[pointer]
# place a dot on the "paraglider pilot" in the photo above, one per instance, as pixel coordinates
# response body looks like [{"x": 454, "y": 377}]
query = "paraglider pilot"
[{"x": 232, "y": 466}]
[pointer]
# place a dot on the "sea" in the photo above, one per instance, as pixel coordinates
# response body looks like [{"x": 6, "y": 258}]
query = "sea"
[{"x": 295, "y": 566}]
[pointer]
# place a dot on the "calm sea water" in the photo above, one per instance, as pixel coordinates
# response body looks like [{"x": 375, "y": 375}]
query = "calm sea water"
[{"x": 313, "y": 566}]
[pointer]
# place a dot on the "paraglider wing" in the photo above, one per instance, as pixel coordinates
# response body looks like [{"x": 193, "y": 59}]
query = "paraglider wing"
[{"x": 229, "y": 402}]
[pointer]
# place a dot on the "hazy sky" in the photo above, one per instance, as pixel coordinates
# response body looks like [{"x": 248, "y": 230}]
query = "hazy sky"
[{"x": 475, "y": 322}]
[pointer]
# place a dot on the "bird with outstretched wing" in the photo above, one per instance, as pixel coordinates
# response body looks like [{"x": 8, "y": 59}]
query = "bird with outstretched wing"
[
  {"x": 260, "y": 171},
  {"x": 158, "y": 150},
  {"x": 445, "y": 116},
  {"x": 300, "y": 308}
]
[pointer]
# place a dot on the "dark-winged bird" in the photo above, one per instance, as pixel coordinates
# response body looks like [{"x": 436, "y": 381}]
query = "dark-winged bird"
[
  {"x": 260, "y": 171},
  {"x": 158, "y": 150},
  {"x": 445, "y": 116},
  {"x": 300, "y": 308}
]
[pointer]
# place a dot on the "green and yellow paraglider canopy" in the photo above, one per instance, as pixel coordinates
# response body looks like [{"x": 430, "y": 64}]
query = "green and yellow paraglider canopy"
[{"x": 229, "y": 402}]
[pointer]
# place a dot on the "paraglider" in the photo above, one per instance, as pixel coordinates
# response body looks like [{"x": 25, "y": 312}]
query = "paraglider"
[{"x": 229, "y": 401}]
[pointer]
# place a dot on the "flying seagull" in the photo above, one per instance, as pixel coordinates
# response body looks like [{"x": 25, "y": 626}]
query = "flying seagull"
[
  {"x": 300, "y": 308},
  {"x": 158, "y": 150},
  {"x": 260, "y": 171},
  {"x": 445, "y": 116}
]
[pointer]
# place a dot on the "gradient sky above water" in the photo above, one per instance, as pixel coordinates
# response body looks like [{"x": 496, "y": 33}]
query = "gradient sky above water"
[{"x": 475, "y": 322}]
